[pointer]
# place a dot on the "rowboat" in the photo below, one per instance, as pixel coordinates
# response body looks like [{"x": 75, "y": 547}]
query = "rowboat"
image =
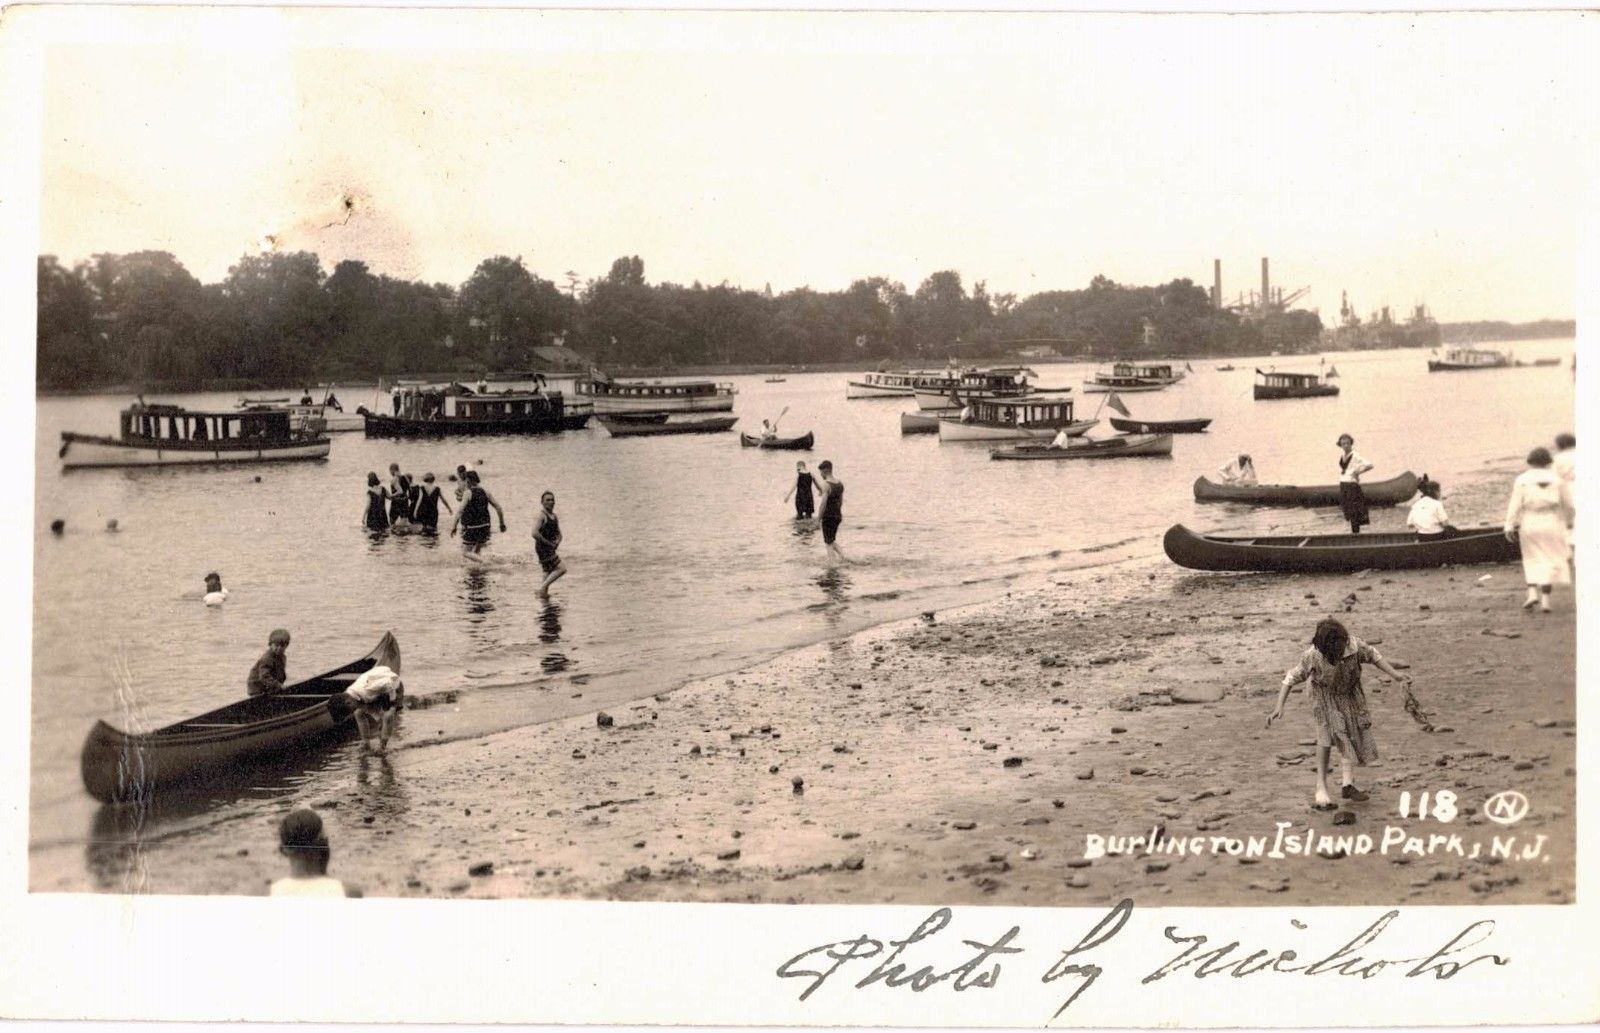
[
  {"x": 924, "y": 421},
  {"x": 168, "y": 435},
  {"x": 1013, "y": 419},
  {"x": 627, "y": 396},
  {"x": 799, "y": 444},
  {"x": 641, "y": 429},
  {"x": 1132, "y": 426},
  {"x": 1120, "y": 447},
  {"x": 118, "y": 767},
  {"x": 1275, "y": 385},
  {"x": 1379, "y": 493},
  {"x": 1331, "y": 553}
]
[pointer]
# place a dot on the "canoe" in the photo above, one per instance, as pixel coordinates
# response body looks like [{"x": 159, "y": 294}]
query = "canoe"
[
  {"x": 1333, "y": 553},
  {"x": 118, "y": 767},
  {"x": 1379, "y": 493},
  {"x": 1131, "y": 426},
  {"x": 1104, "y": 448},
  {"x": 636, "y": 429},
  {"x": 799, "y": 444},
  {"x": 924, "y": 421}
]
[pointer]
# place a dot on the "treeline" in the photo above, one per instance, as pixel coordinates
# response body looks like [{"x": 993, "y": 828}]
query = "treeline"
[
  {"x": 278, "y": 319},
  {"x": 1496, "y": 330}
]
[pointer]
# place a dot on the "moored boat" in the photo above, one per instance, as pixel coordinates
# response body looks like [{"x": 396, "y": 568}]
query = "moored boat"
[
  {"x": 924, "y": 421},
  {"x": 626, "y": 428},
  {"x": 1103, "y": 383},
  {"x": 1013, "y": 419},
  {"x": 120, "y": 767},
  {"x": 1225, "y": 369},
  {"x": 795, "y": 444},
  {"x": 441, "y": 410},
  {"x": 1275, "y": 385},
  {"x": 1332, "y": 553},
  {"x": 898, "y": 383},
  {"x": 975, "y": 385},
  {"x": 1122, "y": 446},
  {"x": 1161, "y": 372},
  {"x": 1462, "y": 359},
  {"x": 1128, "y": 425},
  {"x": 628, "y": 396},
  {"x": 1391, "y": 492},
  {"x": 169, "y": 435}
]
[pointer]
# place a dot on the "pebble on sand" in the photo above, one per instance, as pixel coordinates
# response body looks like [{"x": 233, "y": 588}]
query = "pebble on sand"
[
  {"x": 480, "y": 869},
  {"x": 58, "y": 525}
]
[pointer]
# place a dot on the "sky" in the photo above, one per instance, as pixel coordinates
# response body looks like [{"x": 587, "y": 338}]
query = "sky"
[{"x": 1438, "y": 159}]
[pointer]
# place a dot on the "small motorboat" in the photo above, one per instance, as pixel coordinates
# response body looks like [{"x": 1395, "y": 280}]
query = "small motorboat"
[
  {"x": 1378, "y": 493},
  {"x": 1275, "y": 385},
  {"x": 1121, "y": 446},
  {"x": 1225, "y": 369},
  {"x": 1335, "y": 553},
  {"x": 1129, "y": 425},
  {"x": 799, "y": 444},
  {"x": 777, "y": 380},
  {"x": 632, "y": 428},
  {"x": 118, "y": 767}
]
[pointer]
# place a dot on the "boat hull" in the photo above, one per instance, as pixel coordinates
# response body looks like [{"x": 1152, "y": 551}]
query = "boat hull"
[
  {"x": 924, "y": 421},
  {"x": 381, "y": 426},
  {"x": 928, "y": 399},
  {"x": 799, "y": 444},
  {"x": 1266, "y": 393},
  {"x": 1130, "y": 447},
  {"x": 1439, "y": 366},
  {"x": 1129, "y": 426},
  {"x": 605, "y": 405},
  {"x": 1092, "y": 388},
  {"x": 1391, "y": 492},
  {"x": 82, "y": 451},
  {"x": 636, "y": 429},
  {"x": 118, "y": 767},
  {"x": 952, "y": 429},
  {"x": 854, "y": 389},
  {"x": 1335, "y": 553}
]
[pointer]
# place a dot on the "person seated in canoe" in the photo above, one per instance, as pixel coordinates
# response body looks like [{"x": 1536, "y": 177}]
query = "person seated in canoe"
[
  {"x": 1427, "y": 516},
  {"x": 215, "y": 595},
  {"x": 1239, "y": 470},
  {"x": 272, "y": 670},
  {"x": 1062, "y": 439},
  {"x": 302, "y": 841},
  {"x": 375, "y": 697},
  {"x": 768, "y": 431}
]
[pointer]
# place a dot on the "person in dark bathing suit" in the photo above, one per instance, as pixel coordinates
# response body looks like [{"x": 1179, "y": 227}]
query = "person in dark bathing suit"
[
  {"x": 428, "y": 503},
  {"x": 804, "y": 508},
  {"x": 546, "y": 539},
  {"x": 832, "y": 507},
  {"x": 377, "y": 516},
  {"x": 473, "y": 516},
  {"x": 399, "y": 494}
]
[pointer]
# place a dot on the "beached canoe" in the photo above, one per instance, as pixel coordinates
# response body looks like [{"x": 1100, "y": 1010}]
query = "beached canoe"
[
  {"x": 629, "y": 428},
  {"x": 1378, "y": 493},
  {"x": 1333, "y": 553},
  {"x": 1121, "y": 447},
  {"x": 118, "y": 767},
  {"x": 799, "y": 444},
  {"x": 1132, "y": 426}
]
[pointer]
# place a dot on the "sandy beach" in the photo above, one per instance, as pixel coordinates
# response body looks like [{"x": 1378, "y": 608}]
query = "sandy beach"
[{"x": 969, "y": 756}]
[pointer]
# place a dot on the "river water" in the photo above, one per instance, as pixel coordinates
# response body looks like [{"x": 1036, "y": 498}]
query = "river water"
[{"x": 684, "y": 560}]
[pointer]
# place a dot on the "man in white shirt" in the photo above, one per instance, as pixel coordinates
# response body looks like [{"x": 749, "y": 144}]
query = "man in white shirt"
[
  {"x": 1565, "y": 458},
  {"x": 1241, "y": 470}
]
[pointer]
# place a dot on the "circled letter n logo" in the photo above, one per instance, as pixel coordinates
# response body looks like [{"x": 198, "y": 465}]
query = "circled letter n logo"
[{"x": 1506, "y": 807}]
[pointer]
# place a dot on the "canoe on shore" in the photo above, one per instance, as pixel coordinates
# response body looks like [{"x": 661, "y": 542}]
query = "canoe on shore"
[
  {"x": 1132, "y": 426},
  {"x": 1334, "y": 553},
  {"x": 638, "y": 429},
  {"x": 1378, "y": 493},
  {"x": 1121, "y": 447},
  {"x": 799, "y": 444},
  {"x": 118, "y": 767}
]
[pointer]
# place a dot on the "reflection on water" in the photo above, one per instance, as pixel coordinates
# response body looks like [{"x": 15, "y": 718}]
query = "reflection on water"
[
  {"x": 553, "y": 662},
  {"x": 475, "y": 592},
  {"x": 382, "y": 794},
  {"x": 835, "y": 584}
]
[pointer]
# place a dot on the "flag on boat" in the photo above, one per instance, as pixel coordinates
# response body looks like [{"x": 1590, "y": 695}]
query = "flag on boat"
[
  {"x": 1113, "y": 402},
  {"x": 1333, "y": 371}
]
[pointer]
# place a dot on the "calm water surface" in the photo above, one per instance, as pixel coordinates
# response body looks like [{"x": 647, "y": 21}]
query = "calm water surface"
[{"x": 684, "y": 560}]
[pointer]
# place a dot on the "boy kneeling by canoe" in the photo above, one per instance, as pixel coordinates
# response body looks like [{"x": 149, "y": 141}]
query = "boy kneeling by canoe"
[{"x": 375, "y": 698}]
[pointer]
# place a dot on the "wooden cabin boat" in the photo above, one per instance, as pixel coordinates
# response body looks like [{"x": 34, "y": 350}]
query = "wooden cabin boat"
[
  {"x": 1128, "y": 425},
  {"x": 974, "y": 385},
  {"x": 1121, "y": 446},
  {"x": 442, "y": 410},
  {"x": 628, "y": 428},
  {"x": 118, "y": 767},
  {"x": 1275, "y": 385},
  {"x": 1461, "y": 359},
  {"x": 924, "y": 421},
  {"x": 1013, "y": 419},
  {"x": 1334, "y": 553},
  {"x": 627, "y": 396},
  {"x": 1159, "y": 371},
  {"x": 1378, "y": 493},
  {"x": 900, "y": 383},
  {"x": 169, "y": 435},
  {"x": 1103, "y": 383},
  {"x": 794, "y": 444}
]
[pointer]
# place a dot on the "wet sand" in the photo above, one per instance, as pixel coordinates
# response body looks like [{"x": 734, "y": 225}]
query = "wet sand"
[{"x": 966, "y": 756}]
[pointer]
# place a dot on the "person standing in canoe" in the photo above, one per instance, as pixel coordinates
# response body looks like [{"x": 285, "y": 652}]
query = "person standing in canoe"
[
  {"x": 546, "y": 540},
  {"x": 1332, "y": 664},
  {"x": 267, "y": 677},
  {"x": 832, "y": 490},
  {"x": 1352, "y": 500},
  {"x": 473, "y": 516},
  {"x": 804, "y": 507},
  {"x": 377, "y": 518},
  {"x": 1538, "y": 519},
  {"x": 428, "y": 503}
]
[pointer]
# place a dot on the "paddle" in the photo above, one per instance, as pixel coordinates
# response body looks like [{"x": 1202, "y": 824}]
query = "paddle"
[{"x": 780, "y": 416}]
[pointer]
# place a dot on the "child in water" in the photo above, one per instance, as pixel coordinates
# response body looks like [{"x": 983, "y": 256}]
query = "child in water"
[{"x": 215, "y": 595}]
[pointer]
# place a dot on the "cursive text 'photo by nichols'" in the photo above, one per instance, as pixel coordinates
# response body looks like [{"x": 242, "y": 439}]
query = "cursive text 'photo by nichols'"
[{"x": 800, "y": 517}]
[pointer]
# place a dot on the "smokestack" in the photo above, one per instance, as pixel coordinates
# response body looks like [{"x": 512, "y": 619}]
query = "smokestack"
[
  {"x": 1216, "y": 283},
  {"x": 1266, "y": 285}
]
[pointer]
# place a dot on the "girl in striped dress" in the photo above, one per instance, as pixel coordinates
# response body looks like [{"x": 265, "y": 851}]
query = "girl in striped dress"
[{"x": 1338, "y": 705}]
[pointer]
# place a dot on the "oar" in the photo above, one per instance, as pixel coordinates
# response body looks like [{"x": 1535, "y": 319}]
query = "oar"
[{"x": 780, "y": 416}]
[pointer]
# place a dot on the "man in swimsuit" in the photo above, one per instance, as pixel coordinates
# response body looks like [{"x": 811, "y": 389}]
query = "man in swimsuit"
[
  {"x": 473, "y": 516},
  {"x": 272, "y": 670},
  {"x": 832, "y": 491},
  {"x": 546, "y": 539},
  {"x": 804, "y": 508}
]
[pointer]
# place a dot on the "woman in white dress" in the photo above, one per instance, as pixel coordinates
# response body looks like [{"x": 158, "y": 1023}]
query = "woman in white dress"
[{"x": 1538, "y": 518}]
